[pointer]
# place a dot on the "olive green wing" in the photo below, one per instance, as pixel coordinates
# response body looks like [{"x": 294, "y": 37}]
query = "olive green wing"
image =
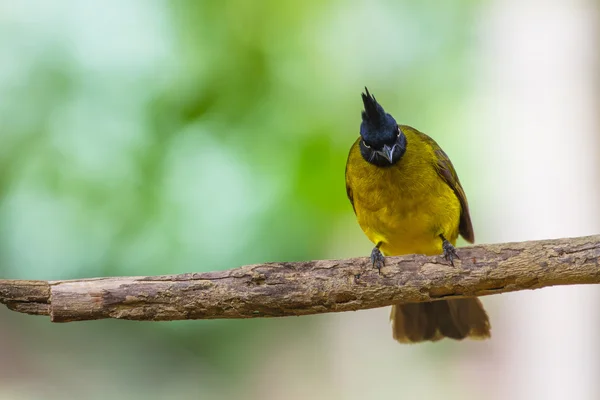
[
  {"x": 446, "y": 171},
  {"x": 348, "y": 188},
  {"x": 349, "y": 193}
]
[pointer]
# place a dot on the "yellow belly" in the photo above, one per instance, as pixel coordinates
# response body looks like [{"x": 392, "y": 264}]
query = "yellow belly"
[{"x": 412, "y": 226}]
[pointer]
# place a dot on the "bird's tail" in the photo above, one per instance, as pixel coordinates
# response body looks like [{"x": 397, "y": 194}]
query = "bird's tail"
[{"x": 456, "y": 319}]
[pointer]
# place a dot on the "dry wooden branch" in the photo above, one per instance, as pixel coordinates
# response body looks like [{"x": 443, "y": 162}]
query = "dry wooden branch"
[{"x": 312, "y": 287}]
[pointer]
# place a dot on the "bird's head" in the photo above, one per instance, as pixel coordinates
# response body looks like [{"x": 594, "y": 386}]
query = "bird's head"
[{"x": 382, "y": 141}]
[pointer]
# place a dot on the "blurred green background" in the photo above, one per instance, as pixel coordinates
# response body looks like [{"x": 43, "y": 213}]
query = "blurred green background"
[{"x": 150, "y": 137}]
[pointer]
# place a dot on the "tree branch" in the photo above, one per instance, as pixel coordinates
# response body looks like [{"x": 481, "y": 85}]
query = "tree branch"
[{"x": 311, "y": 287}]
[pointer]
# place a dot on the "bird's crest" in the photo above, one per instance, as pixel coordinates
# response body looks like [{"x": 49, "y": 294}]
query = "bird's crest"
[{"x": 373, "y": 112}]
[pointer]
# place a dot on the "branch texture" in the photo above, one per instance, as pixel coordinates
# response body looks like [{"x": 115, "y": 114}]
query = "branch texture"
[{"x": 311, "y": 287}]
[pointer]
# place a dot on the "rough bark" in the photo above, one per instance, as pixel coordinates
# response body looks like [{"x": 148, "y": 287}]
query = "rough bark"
[{"x": 311, "y": 287}]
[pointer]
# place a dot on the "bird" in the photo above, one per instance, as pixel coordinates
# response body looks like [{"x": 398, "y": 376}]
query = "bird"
[{"x": 408, "y": 199}]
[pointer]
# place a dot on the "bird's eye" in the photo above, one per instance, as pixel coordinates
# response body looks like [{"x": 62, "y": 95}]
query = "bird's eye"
[
  {"x": 366, "y": 145},
  {"x": 399, "y": 132}
]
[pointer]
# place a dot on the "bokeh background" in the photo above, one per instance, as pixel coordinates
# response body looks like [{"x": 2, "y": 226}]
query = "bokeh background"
[{"x": 149, "y": 137}]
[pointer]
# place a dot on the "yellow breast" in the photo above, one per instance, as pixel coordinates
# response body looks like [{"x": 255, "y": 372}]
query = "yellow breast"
[{"x": 405, "y": 206}]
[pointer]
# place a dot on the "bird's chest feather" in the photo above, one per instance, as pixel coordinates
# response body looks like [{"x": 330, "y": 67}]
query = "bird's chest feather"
[{"x": 406, "y": 207}]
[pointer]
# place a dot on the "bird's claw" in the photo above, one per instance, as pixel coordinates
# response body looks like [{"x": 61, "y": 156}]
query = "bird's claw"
[
  {"x": 377, "y": 259},
  {"x": 449, "y": 252}
]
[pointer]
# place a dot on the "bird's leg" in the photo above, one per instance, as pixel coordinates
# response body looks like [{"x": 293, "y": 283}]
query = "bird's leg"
[
  {"x": 377, "y": 259},
  {"x": 449, "y": 250}
]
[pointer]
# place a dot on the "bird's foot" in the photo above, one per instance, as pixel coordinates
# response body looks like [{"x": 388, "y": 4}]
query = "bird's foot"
[
  {"x": 377, "y": 259},
  {"x": 449, "y": 251}
]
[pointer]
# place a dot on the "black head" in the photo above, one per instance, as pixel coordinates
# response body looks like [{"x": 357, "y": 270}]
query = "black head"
[{"x": 383, "y": 143}]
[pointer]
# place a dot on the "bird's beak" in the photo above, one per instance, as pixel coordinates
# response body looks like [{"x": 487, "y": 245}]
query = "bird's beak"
[{"x": 388, "y": 152}]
